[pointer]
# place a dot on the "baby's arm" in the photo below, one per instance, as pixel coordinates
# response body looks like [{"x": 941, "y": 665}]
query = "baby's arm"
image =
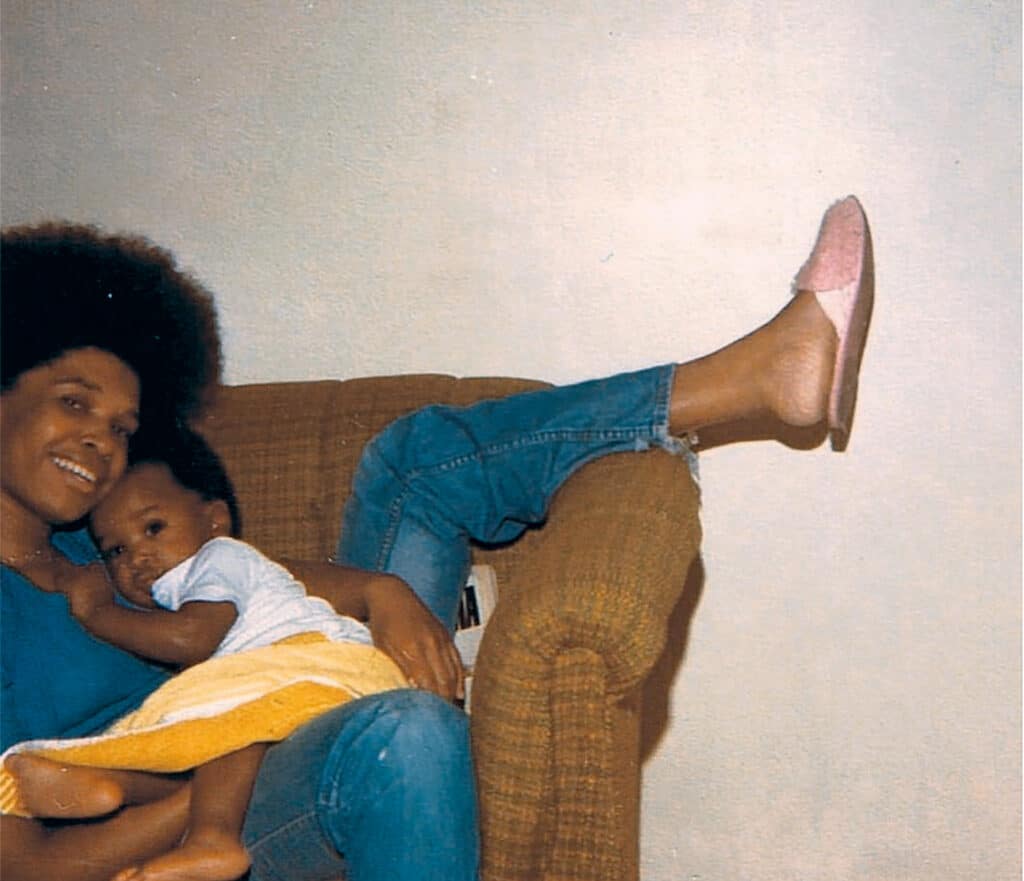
[{"x": 183, "y": 638}]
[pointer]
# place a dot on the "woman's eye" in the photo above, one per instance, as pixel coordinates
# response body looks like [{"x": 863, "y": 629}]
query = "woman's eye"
[
  {"x": 72, "y": 402},
  {"x": 111, "y": 553},
  {"x": 155, "y": 527}
]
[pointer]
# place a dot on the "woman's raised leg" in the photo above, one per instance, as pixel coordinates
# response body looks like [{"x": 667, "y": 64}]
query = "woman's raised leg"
[
  {"x": 435, "y": 479},
  {"x": 438, "y": 478}
]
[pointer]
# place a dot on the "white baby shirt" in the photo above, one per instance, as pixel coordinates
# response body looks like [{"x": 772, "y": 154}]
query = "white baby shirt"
[{"x": 271, "y": 604}]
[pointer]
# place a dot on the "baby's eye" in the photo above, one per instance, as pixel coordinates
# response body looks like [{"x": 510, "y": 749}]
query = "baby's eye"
[
  {"x": 112, "y": 552},
  {"x": 155, "y": 527}
]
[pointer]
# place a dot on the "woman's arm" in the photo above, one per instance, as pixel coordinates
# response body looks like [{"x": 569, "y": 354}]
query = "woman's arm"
[
  {"x": 91, "y": 851},
  {"x": 183, "y": 638},
  {"x": 343, "y": 587},
  {"x": 402, "y": 626}
]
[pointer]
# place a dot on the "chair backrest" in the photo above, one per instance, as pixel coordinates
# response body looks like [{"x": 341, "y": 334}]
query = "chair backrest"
[{"x": 291, "y": 448}]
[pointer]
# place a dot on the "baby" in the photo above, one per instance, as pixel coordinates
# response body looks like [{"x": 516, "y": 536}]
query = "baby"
[{"x": 165, "y": 535}]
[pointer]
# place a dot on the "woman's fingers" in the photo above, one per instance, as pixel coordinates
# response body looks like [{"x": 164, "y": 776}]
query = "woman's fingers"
[
  {"x": 432, "y": 663},
  {"x": 409, "y": 632}
]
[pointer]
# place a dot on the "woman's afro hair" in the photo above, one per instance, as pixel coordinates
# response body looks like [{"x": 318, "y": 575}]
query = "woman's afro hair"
[{"x": 65, "y": 286}]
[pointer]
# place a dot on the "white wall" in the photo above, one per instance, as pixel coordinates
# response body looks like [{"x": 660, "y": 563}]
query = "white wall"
[{"x": 562, "y": 190}]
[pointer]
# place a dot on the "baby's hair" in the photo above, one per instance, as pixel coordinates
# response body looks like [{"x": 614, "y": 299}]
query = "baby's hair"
[
  {"x": 69, "y": 286},
  {"x": 193, "y": 464}
]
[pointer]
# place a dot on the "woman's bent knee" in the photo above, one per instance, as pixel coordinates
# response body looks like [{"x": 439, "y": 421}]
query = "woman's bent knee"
[
  {"x": 400, "y": 780},
  {"x": 416, "y": 731}
]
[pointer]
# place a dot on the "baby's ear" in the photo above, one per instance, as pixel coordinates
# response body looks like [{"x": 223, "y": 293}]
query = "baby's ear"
[{"x": 220, "y": 518}]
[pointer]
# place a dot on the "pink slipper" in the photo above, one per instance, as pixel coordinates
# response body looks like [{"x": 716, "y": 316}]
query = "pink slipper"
[{"x": 840, "y": 272}]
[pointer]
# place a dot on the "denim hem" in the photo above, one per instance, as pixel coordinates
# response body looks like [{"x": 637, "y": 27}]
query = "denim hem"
[{"x": 678, "y": 446}]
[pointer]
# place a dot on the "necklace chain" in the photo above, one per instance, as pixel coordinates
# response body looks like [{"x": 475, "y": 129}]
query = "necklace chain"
[{"x": 16, "y": 560}]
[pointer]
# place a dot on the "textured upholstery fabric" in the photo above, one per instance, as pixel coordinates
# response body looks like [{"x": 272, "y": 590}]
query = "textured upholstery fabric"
[{"x": 584, "y": 603}]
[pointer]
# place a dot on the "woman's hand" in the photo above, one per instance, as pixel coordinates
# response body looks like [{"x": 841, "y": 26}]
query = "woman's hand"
[{"x": 404, "y": 628}]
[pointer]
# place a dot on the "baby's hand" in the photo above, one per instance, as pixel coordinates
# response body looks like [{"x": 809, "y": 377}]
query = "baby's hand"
[{"x": 88, "y": 590}]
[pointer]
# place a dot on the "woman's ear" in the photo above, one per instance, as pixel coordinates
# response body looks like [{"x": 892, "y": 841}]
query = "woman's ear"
[{"x": 220, "y": 518}]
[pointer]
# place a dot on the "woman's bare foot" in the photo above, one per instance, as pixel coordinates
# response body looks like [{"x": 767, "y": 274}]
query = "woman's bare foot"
[
  {"x": 203, "y": 856},
  {"x": 51, "y": 789},
  {"x": 782, "y": 369}
]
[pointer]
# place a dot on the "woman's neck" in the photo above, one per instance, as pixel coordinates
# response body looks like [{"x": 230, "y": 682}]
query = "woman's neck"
[{"x": 23, "y": 539}]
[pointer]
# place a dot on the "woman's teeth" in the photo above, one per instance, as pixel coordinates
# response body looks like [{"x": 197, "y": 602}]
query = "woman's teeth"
[{"x": 75, "y": 468}]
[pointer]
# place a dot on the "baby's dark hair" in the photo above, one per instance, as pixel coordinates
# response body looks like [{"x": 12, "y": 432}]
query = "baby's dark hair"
[
  {"x": 193, "y": 464},
  {"x": 69, "y": 286}
]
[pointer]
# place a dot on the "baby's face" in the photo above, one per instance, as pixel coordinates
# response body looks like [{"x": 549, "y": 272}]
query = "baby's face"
[{"x": 148, "y": 524}]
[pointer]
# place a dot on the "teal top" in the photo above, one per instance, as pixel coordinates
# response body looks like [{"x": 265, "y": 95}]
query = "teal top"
[{"x": 57, "y": 679}]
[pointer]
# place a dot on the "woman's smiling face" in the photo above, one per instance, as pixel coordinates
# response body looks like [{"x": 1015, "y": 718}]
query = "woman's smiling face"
[{"x": 64, "y": 432}]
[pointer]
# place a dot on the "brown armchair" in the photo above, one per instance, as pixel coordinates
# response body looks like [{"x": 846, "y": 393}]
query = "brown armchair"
[{"x": 584, "y": 605}]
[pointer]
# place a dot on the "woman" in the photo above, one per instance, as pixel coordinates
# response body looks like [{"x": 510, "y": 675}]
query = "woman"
[{"x": 102, "y": 333}]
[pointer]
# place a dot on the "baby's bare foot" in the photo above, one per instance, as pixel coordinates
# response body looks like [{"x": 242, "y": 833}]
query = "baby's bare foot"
[
  {"x": 201, "y": 857},
  {"x": 51, "y": 789}
]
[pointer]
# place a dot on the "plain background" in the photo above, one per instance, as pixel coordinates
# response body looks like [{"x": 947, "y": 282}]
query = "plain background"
[{"x": 561, "y": 190}]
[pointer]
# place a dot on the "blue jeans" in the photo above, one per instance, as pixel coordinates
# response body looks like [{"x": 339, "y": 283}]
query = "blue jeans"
[
  {"x": 443, "y": 476},
  {"x": 380, "y": 788},
  {"x": 383, "y": 787}
]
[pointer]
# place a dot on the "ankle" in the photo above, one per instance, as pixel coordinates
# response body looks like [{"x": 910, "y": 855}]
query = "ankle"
[{"x": 796, "y": 380}]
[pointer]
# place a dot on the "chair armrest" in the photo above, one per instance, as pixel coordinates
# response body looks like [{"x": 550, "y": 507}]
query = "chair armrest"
[
  {"x": 580, "y": 622},
  {"x": 606, "y": 570}
]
